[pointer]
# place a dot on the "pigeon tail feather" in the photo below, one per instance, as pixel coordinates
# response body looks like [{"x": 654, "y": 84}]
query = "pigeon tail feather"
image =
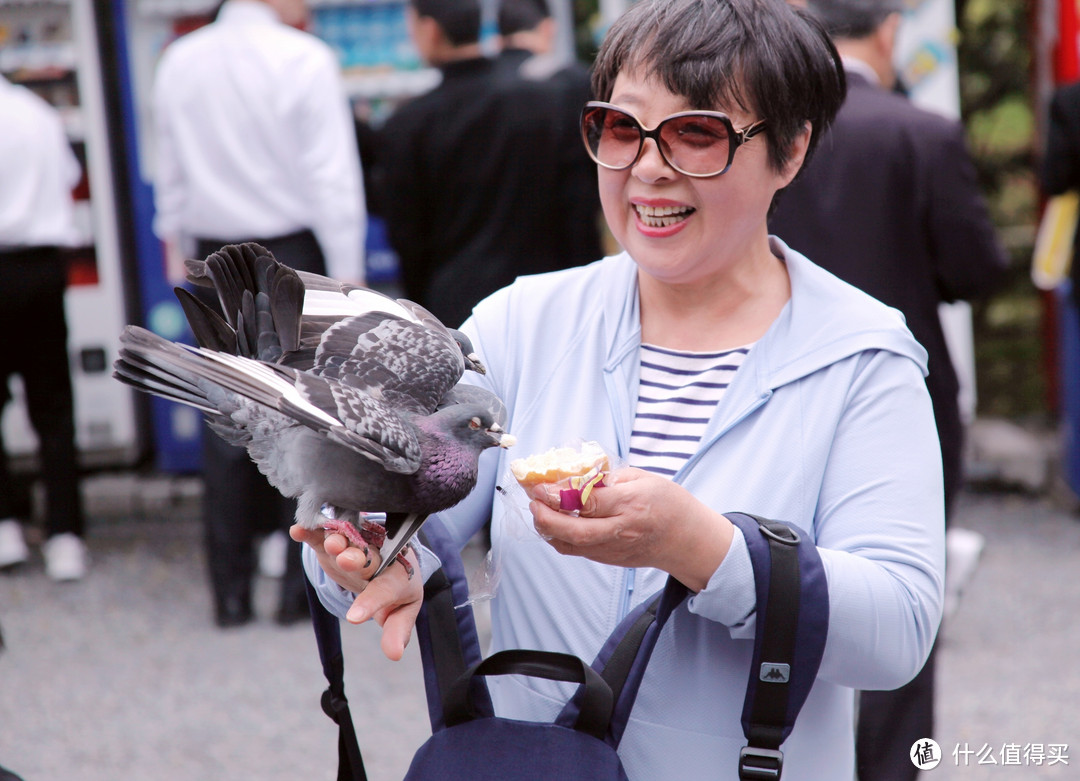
[
  {"x": 262, "y": 302},
  {"x": 210, "y": 328}
]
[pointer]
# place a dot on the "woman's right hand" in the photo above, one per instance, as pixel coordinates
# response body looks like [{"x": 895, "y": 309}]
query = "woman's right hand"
[{"x": 393, "y": 599}]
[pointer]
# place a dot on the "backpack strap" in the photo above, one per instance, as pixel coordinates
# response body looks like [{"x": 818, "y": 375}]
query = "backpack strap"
[
  {"x": 448, "y": 639},
  {"x": 334, "y": 703},
  {"x": 449, "y": 646},
  {"x": 792, "y": 626},
  {"x": 624, "y": 656}
]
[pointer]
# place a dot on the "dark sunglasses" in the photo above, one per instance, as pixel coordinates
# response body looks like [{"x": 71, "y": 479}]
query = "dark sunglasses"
[{"x": 694, "y": 143}]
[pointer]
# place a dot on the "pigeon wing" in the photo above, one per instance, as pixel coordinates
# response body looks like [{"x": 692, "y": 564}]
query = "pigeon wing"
[
  {"x": 425, "y": 365},
  {"x": 204, "y": 378},
  {"x": 348, "y": 416}
]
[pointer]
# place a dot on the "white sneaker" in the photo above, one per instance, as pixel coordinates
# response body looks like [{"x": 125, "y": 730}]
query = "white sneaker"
[
  {"x": 13, "y": 548},
  {"x": 272, "y": 551},
  {"x": 962, "y": 550},
  {"x": 65, "y": 557}
]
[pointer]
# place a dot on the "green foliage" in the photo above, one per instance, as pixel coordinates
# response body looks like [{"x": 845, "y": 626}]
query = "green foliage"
[
  {"x": 997, "y": 109},
  {"x": 586, "y": 28}
]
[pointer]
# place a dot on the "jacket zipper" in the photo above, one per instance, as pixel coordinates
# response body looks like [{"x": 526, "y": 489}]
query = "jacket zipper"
[{"x": 629, "y": 575}]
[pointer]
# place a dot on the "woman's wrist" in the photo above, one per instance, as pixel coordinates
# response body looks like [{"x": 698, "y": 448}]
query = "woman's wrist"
[{"x": 699, "y": 545}]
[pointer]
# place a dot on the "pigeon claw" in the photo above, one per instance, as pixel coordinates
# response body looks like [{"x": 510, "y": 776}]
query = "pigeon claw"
[
  {"x": 400, "y": 558},
  {"x": 347, "y": 530},
  {"x": 373, "y": 533}
]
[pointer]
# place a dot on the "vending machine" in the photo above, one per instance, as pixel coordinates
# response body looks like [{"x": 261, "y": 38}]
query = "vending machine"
[{"x": 53, "y": 48}]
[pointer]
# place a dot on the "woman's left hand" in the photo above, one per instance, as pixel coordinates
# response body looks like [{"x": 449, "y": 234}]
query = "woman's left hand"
[{"x": 638, "y": 519}]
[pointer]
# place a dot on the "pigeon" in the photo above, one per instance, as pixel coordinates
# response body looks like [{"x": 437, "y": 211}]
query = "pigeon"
[{"x": 350, "y": 404}]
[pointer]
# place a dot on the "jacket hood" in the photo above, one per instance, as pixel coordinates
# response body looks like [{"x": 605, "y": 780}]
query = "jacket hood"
[{"x": 824, "y": 321}]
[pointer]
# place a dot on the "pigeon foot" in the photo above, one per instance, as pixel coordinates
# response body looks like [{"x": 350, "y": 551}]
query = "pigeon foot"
[
  {"x": 375, "y": 534},
  {"x": 400, "y": 558},
  {"x": 369, "y": 534},
  {"x": 350, "y": 533}
]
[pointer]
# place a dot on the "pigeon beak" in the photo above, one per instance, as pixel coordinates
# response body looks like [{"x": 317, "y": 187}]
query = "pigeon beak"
[
  {"x": 502, "y": 439},
  {"x": 472, "y": 361}
]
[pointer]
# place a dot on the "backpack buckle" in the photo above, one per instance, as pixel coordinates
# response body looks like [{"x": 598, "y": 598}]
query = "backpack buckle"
[{"x": 760, "y": 764}]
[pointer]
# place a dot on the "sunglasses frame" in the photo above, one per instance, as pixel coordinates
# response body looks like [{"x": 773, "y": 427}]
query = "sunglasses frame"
[{"x": 738, "y": 136}]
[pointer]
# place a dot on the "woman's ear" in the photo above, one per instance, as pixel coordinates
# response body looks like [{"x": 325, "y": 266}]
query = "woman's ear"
[{"x": 797, "y": 153}]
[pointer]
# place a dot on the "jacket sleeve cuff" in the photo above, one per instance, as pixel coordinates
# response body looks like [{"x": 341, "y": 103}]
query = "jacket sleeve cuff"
[
  {"x": 333, "y": 597},
  {"x": 730, "y": 597}
]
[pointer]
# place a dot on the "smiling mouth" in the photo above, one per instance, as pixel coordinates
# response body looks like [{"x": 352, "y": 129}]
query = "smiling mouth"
[{"x": 662, "y": 216}]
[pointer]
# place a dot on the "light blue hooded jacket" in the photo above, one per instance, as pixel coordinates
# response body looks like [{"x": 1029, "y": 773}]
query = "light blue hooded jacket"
[{"x": 827, "y": 425}]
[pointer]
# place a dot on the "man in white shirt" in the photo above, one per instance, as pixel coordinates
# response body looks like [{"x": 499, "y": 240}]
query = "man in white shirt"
[
  {"x": 36, "y": 221},
  {"x": 255, "y": 141}
]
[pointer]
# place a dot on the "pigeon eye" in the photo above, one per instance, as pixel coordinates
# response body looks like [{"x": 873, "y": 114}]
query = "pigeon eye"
[{"x": 474, "y": 423}]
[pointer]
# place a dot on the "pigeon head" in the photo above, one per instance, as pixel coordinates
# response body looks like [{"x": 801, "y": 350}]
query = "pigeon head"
[
  {"x": 472, "y": 360},
  {"x": 472, "y": 425}
]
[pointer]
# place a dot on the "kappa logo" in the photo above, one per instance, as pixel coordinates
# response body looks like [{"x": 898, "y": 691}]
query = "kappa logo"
[{"x": 774, "y": 672}]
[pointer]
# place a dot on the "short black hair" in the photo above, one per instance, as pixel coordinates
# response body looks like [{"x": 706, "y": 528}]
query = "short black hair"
[
  {"x": 458, "y": 19},
  {"x": 516, "y": 16},
  {"x": 852, "y": 18},
  {"x": 764, "y": 56}
]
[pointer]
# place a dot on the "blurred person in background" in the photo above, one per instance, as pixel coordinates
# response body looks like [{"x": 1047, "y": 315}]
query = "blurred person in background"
[
  {"x": 527, "y": 36},
  {"x": 1059, "y": 171},
  {"x": 36, "y": 222},
  {"x": 891, "y": 204},
  {"x": 254, "y": 142},
  {"x": 474, "y": 186}
]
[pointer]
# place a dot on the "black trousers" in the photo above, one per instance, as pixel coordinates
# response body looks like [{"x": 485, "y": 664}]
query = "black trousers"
[
  {"x": 32, "y": 284},
  {"x": 891, "y": 721},
  {"x": 238, "y": 502}
]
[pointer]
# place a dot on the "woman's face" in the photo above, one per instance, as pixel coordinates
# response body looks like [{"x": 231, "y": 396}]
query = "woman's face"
[{"x": 709, "y": 225}]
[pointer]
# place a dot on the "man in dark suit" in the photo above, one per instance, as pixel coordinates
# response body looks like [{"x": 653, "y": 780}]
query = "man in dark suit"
[
  {"x": 527, "y": 35},
  {"x": 890, "y": 203},
  {"x": 472, "y": 186},
  {"x": 1060, "y": 169}
]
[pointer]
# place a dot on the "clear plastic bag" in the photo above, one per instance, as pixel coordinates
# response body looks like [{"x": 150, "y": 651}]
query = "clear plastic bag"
[{"x": 517, "y": 523}]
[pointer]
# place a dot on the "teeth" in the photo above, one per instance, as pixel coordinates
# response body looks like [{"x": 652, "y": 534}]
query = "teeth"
[{"x": 661, "y": 216}]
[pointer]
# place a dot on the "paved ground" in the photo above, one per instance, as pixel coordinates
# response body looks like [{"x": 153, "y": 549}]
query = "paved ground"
[{"x": 122, "y": 677}]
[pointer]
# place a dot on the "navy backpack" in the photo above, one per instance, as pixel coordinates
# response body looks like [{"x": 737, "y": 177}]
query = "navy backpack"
[{"x": 469, "y": 741}]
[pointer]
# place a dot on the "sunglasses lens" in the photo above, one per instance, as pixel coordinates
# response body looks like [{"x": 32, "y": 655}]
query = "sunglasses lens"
[
  {"x": 696, "y": 143},
  {"x": 612, "y": 137}
]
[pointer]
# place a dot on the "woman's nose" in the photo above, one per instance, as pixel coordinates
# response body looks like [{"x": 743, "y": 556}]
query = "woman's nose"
[{"x": 651, "y": 164}]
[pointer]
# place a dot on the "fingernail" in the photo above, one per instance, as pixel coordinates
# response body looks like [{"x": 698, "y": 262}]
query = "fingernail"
[{"x": 356, "y": 617}]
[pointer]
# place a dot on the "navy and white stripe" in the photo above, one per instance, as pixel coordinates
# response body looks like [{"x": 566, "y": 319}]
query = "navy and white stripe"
[{"x": 679, "y": 391}]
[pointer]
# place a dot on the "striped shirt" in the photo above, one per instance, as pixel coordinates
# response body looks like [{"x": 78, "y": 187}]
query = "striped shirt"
[{"x": 678, "y": 393}]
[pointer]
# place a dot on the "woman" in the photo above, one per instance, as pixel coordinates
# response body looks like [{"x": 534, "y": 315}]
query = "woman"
[{"x": 798, "y": 398}]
